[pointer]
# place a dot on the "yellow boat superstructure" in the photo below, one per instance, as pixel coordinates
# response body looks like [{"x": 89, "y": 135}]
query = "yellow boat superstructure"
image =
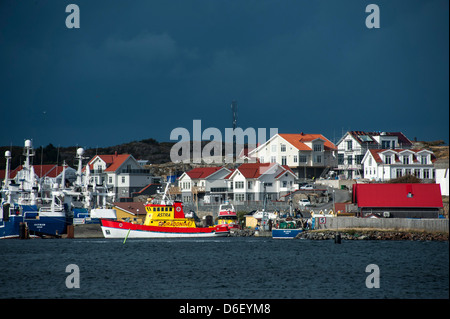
[{"x": 167, "y": 216}]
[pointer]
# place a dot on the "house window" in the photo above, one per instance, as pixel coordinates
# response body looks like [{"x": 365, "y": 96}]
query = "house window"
[
  {"x": 424, "y": 159},
  {"x": 186, "y": 185},
  {"x": 387, "y": 159},
  {"x": 370, "y": 161},
  {"x": 284, "y": 184},
  {"x": 349, "y": 145},
  {"x": 283, "y": 147},
  {"x": 261, "y": 159},
  {"x": 295, "y": 158},
  {"x": 110, "y": 179},
  {"x": 302, "y": 158},
  {"x": 417, "y": 173},
  {"x": 319, "y": 159},
  {"x": 399, "y": 172},
  {"x": 317, "y": 147},
  {"x": 283, "y": 160},
  {"x": 340, "y": 159},
  {"x": 249, "y": 184},
  {"x": 239, "y": 185},
  {"x": 123, "y": 179},
  {"x": 426, "y": 173},
  {"x": 349, "y": 160},
  {"x": 273, "y": 159},
  {"x": 407, "y": 171},
  {"x": 385, "y": 144},
  {"x": 239, "y": 197},
  {"x": 405, "y": 159}
]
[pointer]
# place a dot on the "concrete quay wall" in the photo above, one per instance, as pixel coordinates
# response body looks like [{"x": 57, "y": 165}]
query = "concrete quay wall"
[{"x": 437, "y": 224}]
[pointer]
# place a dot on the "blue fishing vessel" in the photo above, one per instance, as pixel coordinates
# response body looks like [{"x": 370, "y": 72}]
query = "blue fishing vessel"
[
  {"x": 22, "y": 212},
  {"x": 286, "y": 230},
  {"x": 22, "y": 221}
]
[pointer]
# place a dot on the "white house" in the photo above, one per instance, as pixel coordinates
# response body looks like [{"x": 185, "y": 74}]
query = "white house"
[
  {"x": 352, "y": 147},
  {"x": 121, "y": 172},
  {"x": 247, "y": 182},
  {"x": 203, "y": 181},
  {"x": 441, "y": 167},
  {"x": 308, "y": 155},
  {"x": 386, "y": 164}
]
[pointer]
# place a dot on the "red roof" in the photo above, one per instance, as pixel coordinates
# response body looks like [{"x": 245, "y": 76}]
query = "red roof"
[
  {"x": 255, "y": 170},
  {"x": 396, "y": 195},
  {"x": 50, "y": 170},
  {"x": 202, "y": 172},
  {"x": 298, "y": 141},
  {"x": 113, "y": 162}
]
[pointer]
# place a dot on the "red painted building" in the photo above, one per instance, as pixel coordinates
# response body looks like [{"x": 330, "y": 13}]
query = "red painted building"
[{"x": 398, "y": 200}]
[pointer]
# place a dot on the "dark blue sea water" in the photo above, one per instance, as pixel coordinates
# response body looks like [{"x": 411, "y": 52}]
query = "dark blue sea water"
[{"x": 246, "y": 267}]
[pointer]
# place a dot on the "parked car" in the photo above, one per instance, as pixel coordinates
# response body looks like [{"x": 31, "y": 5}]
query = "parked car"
[
  {"x": 304, "y": 202},
  {"x": 307, "y": 186}
]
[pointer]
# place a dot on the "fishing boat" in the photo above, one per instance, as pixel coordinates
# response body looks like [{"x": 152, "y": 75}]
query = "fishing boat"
[
  {"x": 164, "y": 219},
  {"x": 286, "y": 229},
  {"x": 227, "y": 218},
  {"x": 20, "y": 215}
]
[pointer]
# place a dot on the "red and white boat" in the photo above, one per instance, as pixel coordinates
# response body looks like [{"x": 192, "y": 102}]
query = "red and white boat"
[
  {"x": 164, "y": 219},
  {"x": 227, "y": 219}
]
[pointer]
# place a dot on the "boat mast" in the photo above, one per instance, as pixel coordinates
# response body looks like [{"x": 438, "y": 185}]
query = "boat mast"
[{"x": 8, "y": 160}]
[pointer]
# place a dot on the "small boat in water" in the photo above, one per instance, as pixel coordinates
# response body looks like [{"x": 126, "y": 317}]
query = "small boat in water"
[
  {"x": 286, "y": 230},
  {"x": 227, "y": 218},
  {"x": 164, "y": 219}
]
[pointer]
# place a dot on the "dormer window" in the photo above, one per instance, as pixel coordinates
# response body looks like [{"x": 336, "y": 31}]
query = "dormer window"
[
  {"x": 387, "y": 159},
  {"x": 317, "y": 147},
  {"x": 424, "y": 159},
  {"x": 405, "y": 159}
]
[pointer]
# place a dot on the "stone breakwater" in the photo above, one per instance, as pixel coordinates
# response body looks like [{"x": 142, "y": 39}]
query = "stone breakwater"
[{"x": 372, "y": 234}]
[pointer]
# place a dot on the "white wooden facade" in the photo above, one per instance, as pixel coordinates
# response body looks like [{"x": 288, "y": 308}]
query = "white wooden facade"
[
  {"x": 383, "y": 165},
  {"x": 353, "y": 146},
  {"x": 306, "y": 154}
]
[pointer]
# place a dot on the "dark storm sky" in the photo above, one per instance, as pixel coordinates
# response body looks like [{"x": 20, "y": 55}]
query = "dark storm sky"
[{"x": 138, "y": 69}]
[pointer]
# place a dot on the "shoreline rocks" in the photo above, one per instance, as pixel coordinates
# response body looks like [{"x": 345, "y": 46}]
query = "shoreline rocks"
[
  {"x": 242, "y": 232},
  {"x": 374, "y": 234}
]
